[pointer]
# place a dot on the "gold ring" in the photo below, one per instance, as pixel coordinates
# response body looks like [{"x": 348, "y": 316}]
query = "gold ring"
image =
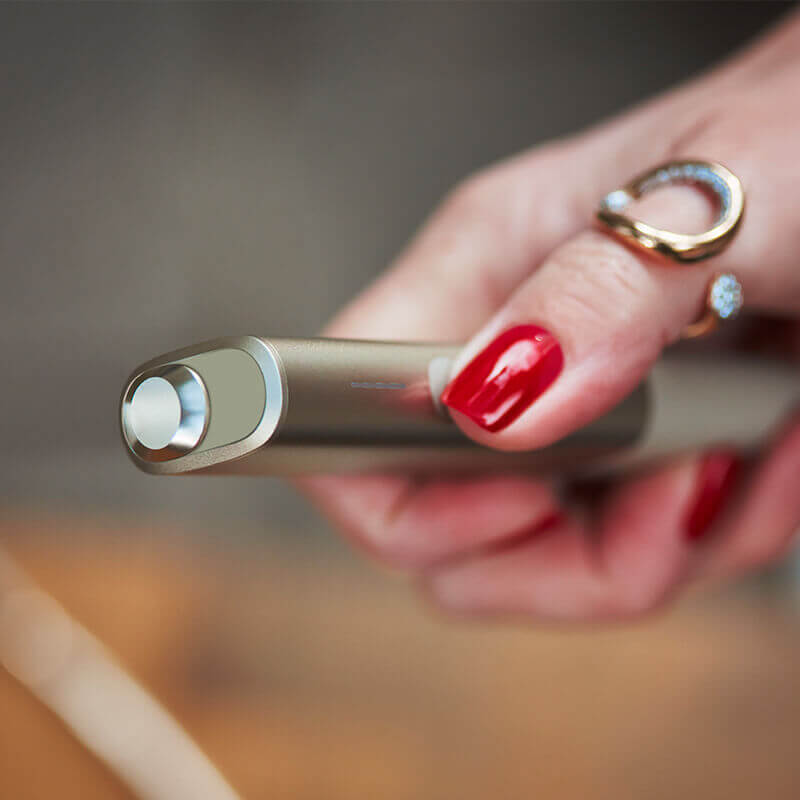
[
  {"x": 684, "y": 248},
  {"x": 724, "y": 300}
]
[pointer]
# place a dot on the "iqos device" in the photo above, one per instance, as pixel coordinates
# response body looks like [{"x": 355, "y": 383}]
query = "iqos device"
[{"x": 249, "y": 405}]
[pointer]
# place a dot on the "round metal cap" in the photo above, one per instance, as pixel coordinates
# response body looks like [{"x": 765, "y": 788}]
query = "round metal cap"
[{"x": 165, "y": 412}]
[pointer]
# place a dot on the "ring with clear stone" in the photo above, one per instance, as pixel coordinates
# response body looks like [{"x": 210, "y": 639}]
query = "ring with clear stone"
[
  {"x": 724, "y": 300},
  {"x": 720, "y": 182},
  {"x": 724, "y": 297}
]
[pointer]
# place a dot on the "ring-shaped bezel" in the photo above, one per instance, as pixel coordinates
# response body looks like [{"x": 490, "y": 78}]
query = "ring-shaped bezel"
[{"x": 194, "y": 416}]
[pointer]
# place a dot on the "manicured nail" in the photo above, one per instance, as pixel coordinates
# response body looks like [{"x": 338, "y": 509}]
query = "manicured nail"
[
  {"x": 506, "y": 377},
  {"x": 550, "y": 522},
  {"x": 715, "y": 481}
]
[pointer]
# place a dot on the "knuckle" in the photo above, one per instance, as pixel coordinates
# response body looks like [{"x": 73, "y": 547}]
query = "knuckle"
[
  {"x": 599, "y": 285},
  {"x": 391, "y": 553},
  {"x": 467, "y": 198},
  {"x": 392, "y": 549},
  {"x": 699, "y": 135},
  {"x": 639, "y": 602},
  {"x": 460, "y": 243},
  {"x": 602, "y": 275}
]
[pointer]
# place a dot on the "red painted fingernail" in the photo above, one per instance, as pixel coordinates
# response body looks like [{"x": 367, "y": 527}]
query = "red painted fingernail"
[
  {"x": 549, "y": 522},
  {"x": 506, "y": 377},
  {"x": 716, "y": 479}
]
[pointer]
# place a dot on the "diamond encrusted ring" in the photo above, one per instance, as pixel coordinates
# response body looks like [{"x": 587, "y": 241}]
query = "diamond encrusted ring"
[
  {"x": 723, "y": 185},
  {"x": 724, "y": 298}
]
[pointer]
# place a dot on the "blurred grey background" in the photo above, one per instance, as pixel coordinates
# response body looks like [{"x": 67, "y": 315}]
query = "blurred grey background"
[{"x": 174, "y": 173}]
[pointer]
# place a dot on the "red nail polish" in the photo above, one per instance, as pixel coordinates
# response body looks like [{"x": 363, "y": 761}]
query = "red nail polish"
[
  {"x": 551, "y": 521},
  {"x": 716, "y": 478},
  {"x": 506, "y": 377}
]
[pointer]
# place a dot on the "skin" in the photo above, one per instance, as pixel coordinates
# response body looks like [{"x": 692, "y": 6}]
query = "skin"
[{"x": 513, "y": 244}]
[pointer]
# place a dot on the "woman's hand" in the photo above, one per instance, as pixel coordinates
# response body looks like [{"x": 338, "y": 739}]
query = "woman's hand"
[{"x": 511, "y": 249}]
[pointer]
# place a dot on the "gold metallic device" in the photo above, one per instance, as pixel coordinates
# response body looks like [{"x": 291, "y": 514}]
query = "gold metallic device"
[{"x": 249, "y": 405}]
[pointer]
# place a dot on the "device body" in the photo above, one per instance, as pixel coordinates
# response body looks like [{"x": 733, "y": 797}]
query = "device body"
[{"x": 248, "y": 405}]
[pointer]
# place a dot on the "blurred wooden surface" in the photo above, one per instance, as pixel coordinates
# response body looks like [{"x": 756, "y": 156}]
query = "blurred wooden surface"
[{"x": 306, "y": 674}]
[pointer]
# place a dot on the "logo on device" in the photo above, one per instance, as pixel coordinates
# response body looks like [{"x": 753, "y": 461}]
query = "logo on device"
[{"x": 375, "y": 385}]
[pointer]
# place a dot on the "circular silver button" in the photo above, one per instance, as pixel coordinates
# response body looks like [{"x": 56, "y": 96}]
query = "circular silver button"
[
  {"x": 165, "y": 412},
  {"x": 155, "y": 413}
]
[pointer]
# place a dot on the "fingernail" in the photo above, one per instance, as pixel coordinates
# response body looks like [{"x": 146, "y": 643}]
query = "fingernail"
[
  {"x": 550, "y": 522},
  {"x": 506, "y": 377},
  {"x": 716, "y": 479}
]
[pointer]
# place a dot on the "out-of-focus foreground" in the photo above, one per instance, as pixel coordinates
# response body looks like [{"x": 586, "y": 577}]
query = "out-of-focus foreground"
[{"x": 305, "y": 679}]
